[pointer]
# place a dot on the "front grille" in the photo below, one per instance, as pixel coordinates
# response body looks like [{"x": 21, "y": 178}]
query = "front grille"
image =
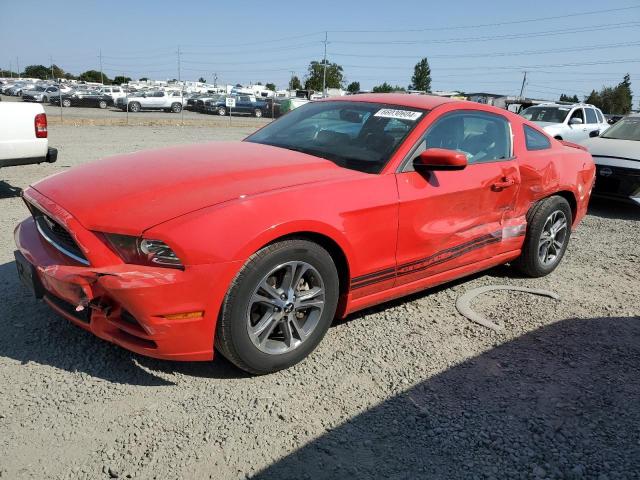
[{"x": 58, "y": 236}]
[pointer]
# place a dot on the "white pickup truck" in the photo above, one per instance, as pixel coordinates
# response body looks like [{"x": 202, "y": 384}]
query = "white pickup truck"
[
  {"x": 169, "y": 101},
  {"x": 23, "y": 135}
]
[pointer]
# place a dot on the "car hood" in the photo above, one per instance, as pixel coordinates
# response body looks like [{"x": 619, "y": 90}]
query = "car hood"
[
  {"x": 130, "y": 193},
  {"x": 611, "y": 147}
]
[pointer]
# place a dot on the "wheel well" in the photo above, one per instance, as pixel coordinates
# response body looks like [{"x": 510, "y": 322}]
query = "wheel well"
[
  {"x": 558, "y": 137},
  {"x": 571, "y": 199},
  {"x": 334, "y": 250}
]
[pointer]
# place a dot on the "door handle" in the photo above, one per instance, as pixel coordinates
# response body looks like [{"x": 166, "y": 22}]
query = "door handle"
[{"x": 505, "y": 183}]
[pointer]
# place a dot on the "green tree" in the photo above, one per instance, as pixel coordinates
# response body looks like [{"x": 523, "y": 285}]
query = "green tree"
[
  {"x": 271, "y": 86},
  {"x": 295, "y": 83},
  {"x": 315, "y": 75},
  {"x": 120, "y": 79},
  {"x": 353, "y": 87},
  {"x": 387, "y": 88},
  {"x": 384, "y": 88},
  {"x": 202, "y": 80},
  {"x": 8, "y": 73},
  {"x": 615, "y": 100},
  {"x": 143, "y": 79},
  {"x": 567, "y": 98},
  {"x": 94, "y": 76},
  {"x": 37, "y": 71},
  {"x": 421, "y": 79}
]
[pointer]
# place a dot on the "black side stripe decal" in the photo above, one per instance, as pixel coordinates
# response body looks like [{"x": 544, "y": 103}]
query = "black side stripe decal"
[{"x": 422, "y": 264}]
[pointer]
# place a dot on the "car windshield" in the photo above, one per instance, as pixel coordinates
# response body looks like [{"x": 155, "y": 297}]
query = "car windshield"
[
  {"x": 546, "y": 114},
  {"x": 356, "y": 135},
  {"x": 626, "y": 129}
]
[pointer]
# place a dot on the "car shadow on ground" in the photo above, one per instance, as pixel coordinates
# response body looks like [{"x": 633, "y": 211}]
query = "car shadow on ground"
[
  {"x": 9, "y": 191},
  {"x": 611, "y": 209},
  {"x": 32, "y": 332},
  {"x": 559, "y": 402}
]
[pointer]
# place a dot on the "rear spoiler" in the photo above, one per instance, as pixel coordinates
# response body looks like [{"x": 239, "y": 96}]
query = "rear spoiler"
[{"x": 573, "y": 145}]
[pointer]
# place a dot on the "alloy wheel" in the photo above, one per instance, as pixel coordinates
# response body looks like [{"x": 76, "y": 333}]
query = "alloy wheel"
[
  {"x": 285, "y": 307},
  {"x": 552, "y": 238}
]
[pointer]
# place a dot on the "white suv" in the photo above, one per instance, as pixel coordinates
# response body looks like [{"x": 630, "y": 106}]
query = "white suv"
[{"x": 574, "y": 123}]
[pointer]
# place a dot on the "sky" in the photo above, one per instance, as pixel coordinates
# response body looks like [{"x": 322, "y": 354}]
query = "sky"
[{"x": 471, "y": 46}]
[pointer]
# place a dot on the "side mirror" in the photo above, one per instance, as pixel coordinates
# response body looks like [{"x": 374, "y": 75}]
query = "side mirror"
[
  {"x": 595, "y": 133},
  {"x": 440, "y": 159},
  {"x": 575, "y": 121}
]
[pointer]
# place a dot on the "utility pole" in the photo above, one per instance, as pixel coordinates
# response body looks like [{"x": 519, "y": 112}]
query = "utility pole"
[
  {"x": 524, "y": 81},
  {"x": 51, "y": 64},
  {"x": 292, "y": 72},
  {"x": 179, "y": 79},
  {"x": 10, "y": 68},
  {"x": 324, "y": 73},
  {"x": 101, "y": 75},
  {"x": 18, "y": 67},
  {"x": 215, "y": 80}
]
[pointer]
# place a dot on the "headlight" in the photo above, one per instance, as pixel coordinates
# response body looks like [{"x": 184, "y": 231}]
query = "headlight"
[{"x": 143, "y": 251}]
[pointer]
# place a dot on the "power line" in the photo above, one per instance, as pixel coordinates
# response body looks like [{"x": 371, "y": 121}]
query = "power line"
[
  {"x": 484, "y": 38},
  {"x": 500, "y": 54},
  {"x": 495, "y": 24}
]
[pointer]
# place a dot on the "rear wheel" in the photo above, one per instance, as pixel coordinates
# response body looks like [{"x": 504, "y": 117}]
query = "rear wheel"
[
  {"x": 547, "y": 238},
  {"x": 222, "y": 111},
  {"x": 258, "y": 113},
  {"x": 102, "y": 104},
  {"x": 278, "y": 307},
  {"x": 66, "y": 102},
  {"x": 176, "y": 107}
]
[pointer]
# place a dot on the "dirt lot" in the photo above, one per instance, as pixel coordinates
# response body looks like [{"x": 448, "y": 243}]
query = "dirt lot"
[{"x": 407, "y": 390}]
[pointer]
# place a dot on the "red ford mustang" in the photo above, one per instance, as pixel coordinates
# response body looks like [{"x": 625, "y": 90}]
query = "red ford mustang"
[{"x": 254, "y": 247}]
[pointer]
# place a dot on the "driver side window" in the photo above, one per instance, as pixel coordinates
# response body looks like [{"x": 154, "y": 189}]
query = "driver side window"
[
  {"x": 577, "y": 113},
  {"x": 481, "y": 136}
]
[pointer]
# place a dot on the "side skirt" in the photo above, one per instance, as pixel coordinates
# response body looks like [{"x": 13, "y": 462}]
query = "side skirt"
[{"x": 353, "y": 305}]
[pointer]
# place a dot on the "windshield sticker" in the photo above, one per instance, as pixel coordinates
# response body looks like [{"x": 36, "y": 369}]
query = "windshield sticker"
[{"x": 399, "y": 114}]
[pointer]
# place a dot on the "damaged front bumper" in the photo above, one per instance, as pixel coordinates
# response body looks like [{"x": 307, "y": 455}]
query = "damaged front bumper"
[{"x": 127, "y": 304}]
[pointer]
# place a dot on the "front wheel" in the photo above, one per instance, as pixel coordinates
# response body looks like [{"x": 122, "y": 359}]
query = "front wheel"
[
  {"x": 547, "y": 238},
  {"x": 66, "y": 102},
  {"x": 258, "y": 113},
  {"x": 222, "y": 111},
  {"x": 279, "y": 307},
  {"x": 102, "y": 104},
  {"x": 176, "y": 108}
]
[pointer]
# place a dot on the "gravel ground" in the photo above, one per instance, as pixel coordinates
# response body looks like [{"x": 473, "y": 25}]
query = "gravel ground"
[{"x": 406, "y": 390}]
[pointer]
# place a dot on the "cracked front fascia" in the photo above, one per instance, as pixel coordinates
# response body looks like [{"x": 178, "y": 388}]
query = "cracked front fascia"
[{"x": 80, "y": 285}]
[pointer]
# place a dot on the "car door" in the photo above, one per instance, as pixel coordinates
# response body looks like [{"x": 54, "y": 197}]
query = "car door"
[
  {"x": 591, "y": 121},
  {"x": 575, "y": 132},
  {"x": 449, "y": 219},
  {"x": 241, "y": 104}
]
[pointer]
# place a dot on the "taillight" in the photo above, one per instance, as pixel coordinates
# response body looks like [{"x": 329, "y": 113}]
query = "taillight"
[{"x": 41, "y": 125}]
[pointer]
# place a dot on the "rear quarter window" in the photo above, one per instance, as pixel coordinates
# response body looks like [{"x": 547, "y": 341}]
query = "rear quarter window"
[{"x": 535, "y": 140}]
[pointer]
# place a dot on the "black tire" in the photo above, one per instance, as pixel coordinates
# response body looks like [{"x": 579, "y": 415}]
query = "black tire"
[
  {"x": 102, "y": 104},
  {"x": 257, "y": 113},
  {"x": 222, "y": 111},
  {"x": 176, "y": 107},
  {"x": 530, "y": 262},
  {"x": 134, "y": 107},
  {"x": 66, "y": 102},
  {"x": 558, "y": 137},
  {"x": 232, "y": 337}
]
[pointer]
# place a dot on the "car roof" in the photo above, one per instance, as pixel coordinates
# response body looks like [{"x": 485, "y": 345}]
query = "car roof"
[{"x": 425, "y": 102}]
